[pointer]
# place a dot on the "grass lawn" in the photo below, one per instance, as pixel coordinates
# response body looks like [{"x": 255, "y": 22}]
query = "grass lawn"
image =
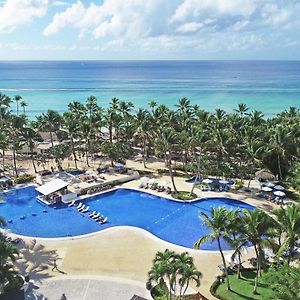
[
  {"x": 182, "y": 195},
  {"x": 242, "y": 288}
]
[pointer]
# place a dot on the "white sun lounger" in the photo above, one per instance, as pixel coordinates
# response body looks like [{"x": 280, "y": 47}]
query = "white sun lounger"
[
  {"x": 86, "y": 209},
  {"x": 104, "y": 220},
  {"x": 81, "y": 208},
  {"x": 92, "y": 214},
  {"x": 79, "y": 205},
  {"x": 96, "y": 216},
  {"x": 72, "y": 203}
]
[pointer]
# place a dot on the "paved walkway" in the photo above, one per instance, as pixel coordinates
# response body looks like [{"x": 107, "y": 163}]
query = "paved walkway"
[{"x": 87, "y": 288}]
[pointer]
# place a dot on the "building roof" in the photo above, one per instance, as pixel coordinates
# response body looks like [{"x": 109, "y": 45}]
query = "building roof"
[
  {"x": 52, "y": 186},
  {"x": 46, "y": 137}
]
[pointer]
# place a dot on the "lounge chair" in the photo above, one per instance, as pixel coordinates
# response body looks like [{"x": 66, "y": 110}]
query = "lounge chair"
[
  {"x": 72, "y": 203},
  {"x": 86, "y": 209},
  {"x": 79, "y": 205},
  {"x": 142, "y": 185},
  {"x": 81, "y": 208},
  {"x": 92, "y": 214},
  {"x": 103, "y": 221},
  {"x": 169, "y": 191},
  {"x": 96, "y": 216}
]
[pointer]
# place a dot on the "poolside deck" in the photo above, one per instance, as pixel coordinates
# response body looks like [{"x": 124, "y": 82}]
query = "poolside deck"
[{"x": 127, "y": 252}]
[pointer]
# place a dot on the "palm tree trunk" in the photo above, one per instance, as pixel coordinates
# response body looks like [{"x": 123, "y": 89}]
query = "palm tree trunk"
[
  {"x": 15, "y": 162},
  {"x": 32, "y": 160},
  {"x": 224, "y": 264},
  {"x": 171, "y": 175},
  {"x": 239, "y": 266},
  {"x": 144, "y": 153},
  {"x": 279, "y": 166},
  {"x": 110, "y": 133},
  {"x": 3, "y": 159},
  {"x": 51, "y": 138},
  {"x": 257, "y": 270},
  {"x": 74, "y": 153}
]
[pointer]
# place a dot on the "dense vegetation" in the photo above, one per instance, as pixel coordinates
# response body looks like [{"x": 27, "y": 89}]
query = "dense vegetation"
[
  {"x": 223, "y": 144},
  {"x": 9, "y": 278},
  {"x": 241, "y": 228},
  {"x": 173, "y": 273}
]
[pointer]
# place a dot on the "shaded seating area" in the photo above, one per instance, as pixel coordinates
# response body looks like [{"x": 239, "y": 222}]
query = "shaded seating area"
[
  {"x": 55, "y": 191},
  {"x": 5, "y": 182}
]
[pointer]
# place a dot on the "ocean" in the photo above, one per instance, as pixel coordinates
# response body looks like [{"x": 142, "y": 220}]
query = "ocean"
[{"x": 269, "y": 86}]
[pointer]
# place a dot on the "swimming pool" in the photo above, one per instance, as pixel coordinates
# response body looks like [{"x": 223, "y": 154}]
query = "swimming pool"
[{"x": 172, "y": 221}]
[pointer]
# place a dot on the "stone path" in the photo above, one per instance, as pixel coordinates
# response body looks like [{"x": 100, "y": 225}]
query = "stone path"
[{"x": 83, "y": 288}]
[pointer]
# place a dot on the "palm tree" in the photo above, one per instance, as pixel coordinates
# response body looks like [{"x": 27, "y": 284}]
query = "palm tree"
[
  {"x": 24, "y": 105},
  {"x": 50, "y": 122},
  {"x": 289, "y": 223},
  {"x": 217, "y": 223},
  {"x": 184, "y": 272},
  {"x": 188, "y": 273},
  {"x": 31, "y": 137},
  {"x": 165, "y": 142},
  {"x": 71, "y": 124},
  {"x": 143, "y": 126},
  {"x": 256, "y": 225},
  {"x": 8, "y": 253},
  {"x": 112, "y": 116},
  {"x": 17, "y": 99},
  {"x": 15, "y": 134},
  {"x": 242, "y": 109},
  {"x": 280, "y": 143},
  {"x": 162, "y": 268},
  {"x": 235, "y": 238}
]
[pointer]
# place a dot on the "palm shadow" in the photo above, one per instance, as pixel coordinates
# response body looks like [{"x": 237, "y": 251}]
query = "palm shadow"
[{"x": 35, "y": 261}]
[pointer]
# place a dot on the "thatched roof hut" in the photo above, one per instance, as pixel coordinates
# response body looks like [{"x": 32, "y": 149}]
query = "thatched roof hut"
[{"x": 264, "y": 174}]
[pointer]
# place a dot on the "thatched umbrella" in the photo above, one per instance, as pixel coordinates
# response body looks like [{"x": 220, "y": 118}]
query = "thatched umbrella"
[{"x": 264, "y": 174}]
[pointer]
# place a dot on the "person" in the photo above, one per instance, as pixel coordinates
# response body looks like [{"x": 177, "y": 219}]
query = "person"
[
  {"x": 55, "y": 265},
  {"x": 63, "y": 297}
]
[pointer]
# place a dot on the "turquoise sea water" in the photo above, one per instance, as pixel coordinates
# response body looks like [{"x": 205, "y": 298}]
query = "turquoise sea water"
[{"x": 269, "y": 86}]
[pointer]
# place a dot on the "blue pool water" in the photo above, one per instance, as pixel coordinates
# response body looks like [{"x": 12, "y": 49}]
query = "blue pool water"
[{"x": 171, "y": 221}]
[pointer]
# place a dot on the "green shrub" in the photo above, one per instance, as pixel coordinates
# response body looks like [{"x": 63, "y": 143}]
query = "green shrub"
[
  {"x": 163, "y": 171},
  {"x": 183, "y": 195},
  {"x": 24, "y": 178}
]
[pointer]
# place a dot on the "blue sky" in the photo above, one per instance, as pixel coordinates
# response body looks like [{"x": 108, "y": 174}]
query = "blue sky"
[{"x": 149, "y": 29}]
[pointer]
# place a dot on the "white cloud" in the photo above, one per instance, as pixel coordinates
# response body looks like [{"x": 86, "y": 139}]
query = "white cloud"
[
  {"x": 195, "y": 8},
  {"x": 177, "y": 24},
  {"x": 189, "y": 27},
  {"x": 72, "y": 15},
  {"x": 15, "y": 13}
]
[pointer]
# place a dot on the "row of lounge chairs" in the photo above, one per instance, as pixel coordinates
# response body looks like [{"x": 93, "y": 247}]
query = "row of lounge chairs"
[
  {"x": 220, "y": 188},
  {"x": 96, "y": 216},
  {"x": 156, "y": 187},
  {"x": 85, "y": 209}
]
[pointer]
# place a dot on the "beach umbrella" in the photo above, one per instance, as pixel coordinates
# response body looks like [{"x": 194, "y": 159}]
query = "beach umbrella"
[
  {"x": 223, "y": 181},
  {"x": 266, "y": 189},
  {"x": 165, "y": 182},
  {"x": 207, "y": 180},
  {"x": 279, "y": 193},
  {"x": 270, "y": 184},
  {"x": 145, "y": 179},
  {"x": 279, "y": 188},
  {"x": 152, "y": 181}
]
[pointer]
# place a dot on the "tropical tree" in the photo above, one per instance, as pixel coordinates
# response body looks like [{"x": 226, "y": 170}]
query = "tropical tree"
[
  {"x": 289, "y": 224},
  {"x": 171, "y": 269},
  {"x": 166, "y": 140},
  {"x": 257, "y": 225},
  {"x": 217, "y": 223},
  {"x": 117, "y": 152},
  {"x": 17, "y": 99},
  {"x": 284, "y": 281}
]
